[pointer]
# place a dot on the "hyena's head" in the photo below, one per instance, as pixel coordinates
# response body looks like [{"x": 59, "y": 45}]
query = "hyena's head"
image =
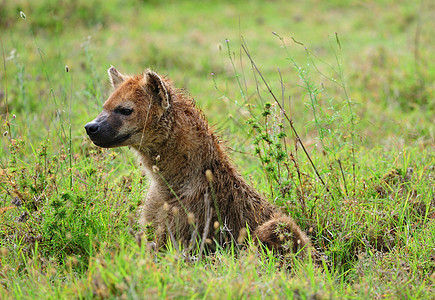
[{"x": 134, "y": 114}]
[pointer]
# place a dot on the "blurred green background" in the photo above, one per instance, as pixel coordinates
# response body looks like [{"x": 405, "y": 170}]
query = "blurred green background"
[{"x": 388, "y": 54}]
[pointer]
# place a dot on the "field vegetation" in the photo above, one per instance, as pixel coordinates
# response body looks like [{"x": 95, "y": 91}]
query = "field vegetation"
[{"x": 327, "y": 108}]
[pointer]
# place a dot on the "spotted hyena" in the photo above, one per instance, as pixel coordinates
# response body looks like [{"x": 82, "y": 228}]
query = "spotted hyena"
[{"x": 194, "y": 186}]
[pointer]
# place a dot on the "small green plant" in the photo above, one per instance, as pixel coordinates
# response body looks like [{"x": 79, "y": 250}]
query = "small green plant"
[{"x": 270, "y": 146}]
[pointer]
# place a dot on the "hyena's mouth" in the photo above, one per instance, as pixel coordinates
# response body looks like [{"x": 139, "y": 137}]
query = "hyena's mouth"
[{"x": 108, "y": 142}]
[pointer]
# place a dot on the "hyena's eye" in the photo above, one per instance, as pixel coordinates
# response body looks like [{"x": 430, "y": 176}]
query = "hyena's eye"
[{"x": 123, "y": 111}]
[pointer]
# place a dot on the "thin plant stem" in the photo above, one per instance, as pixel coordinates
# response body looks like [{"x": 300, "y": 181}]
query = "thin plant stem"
[{"x": 286, "y": 116}]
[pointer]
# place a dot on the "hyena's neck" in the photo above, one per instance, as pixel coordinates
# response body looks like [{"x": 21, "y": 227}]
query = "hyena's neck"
[{"x": 183, "y": 158}]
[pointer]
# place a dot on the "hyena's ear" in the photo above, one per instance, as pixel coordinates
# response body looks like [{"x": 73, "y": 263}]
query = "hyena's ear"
[
  {"x": 115, "y": 77},
  {"x": 154, "y": 83}
]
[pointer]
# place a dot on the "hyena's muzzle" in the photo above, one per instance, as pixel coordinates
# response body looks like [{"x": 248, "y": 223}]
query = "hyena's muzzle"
[{"x": 104, "y": 131}]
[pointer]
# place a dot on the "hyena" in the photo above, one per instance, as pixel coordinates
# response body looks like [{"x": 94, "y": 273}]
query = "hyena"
[{"x": 194, "y": 186}]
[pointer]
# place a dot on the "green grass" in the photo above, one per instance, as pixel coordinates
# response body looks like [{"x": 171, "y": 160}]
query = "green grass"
[{"x": 357, "y": 82}]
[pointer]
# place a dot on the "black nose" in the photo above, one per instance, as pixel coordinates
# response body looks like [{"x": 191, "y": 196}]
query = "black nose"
[{"x": 92, "y": 128}]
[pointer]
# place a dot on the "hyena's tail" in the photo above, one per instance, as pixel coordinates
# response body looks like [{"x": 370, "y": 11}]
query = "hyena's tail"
[{"x": 284, "y": 235}]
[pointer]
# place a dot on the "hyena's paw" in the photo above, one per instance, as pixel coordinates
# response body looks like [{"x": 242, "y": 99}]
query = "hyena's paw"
[{"x": 284, "y": 235}]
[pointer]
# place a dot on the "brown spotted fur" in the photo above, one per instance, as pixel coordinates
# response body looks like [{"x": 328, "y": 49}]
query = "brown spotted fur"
[{"x": 176, "y": 147}]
